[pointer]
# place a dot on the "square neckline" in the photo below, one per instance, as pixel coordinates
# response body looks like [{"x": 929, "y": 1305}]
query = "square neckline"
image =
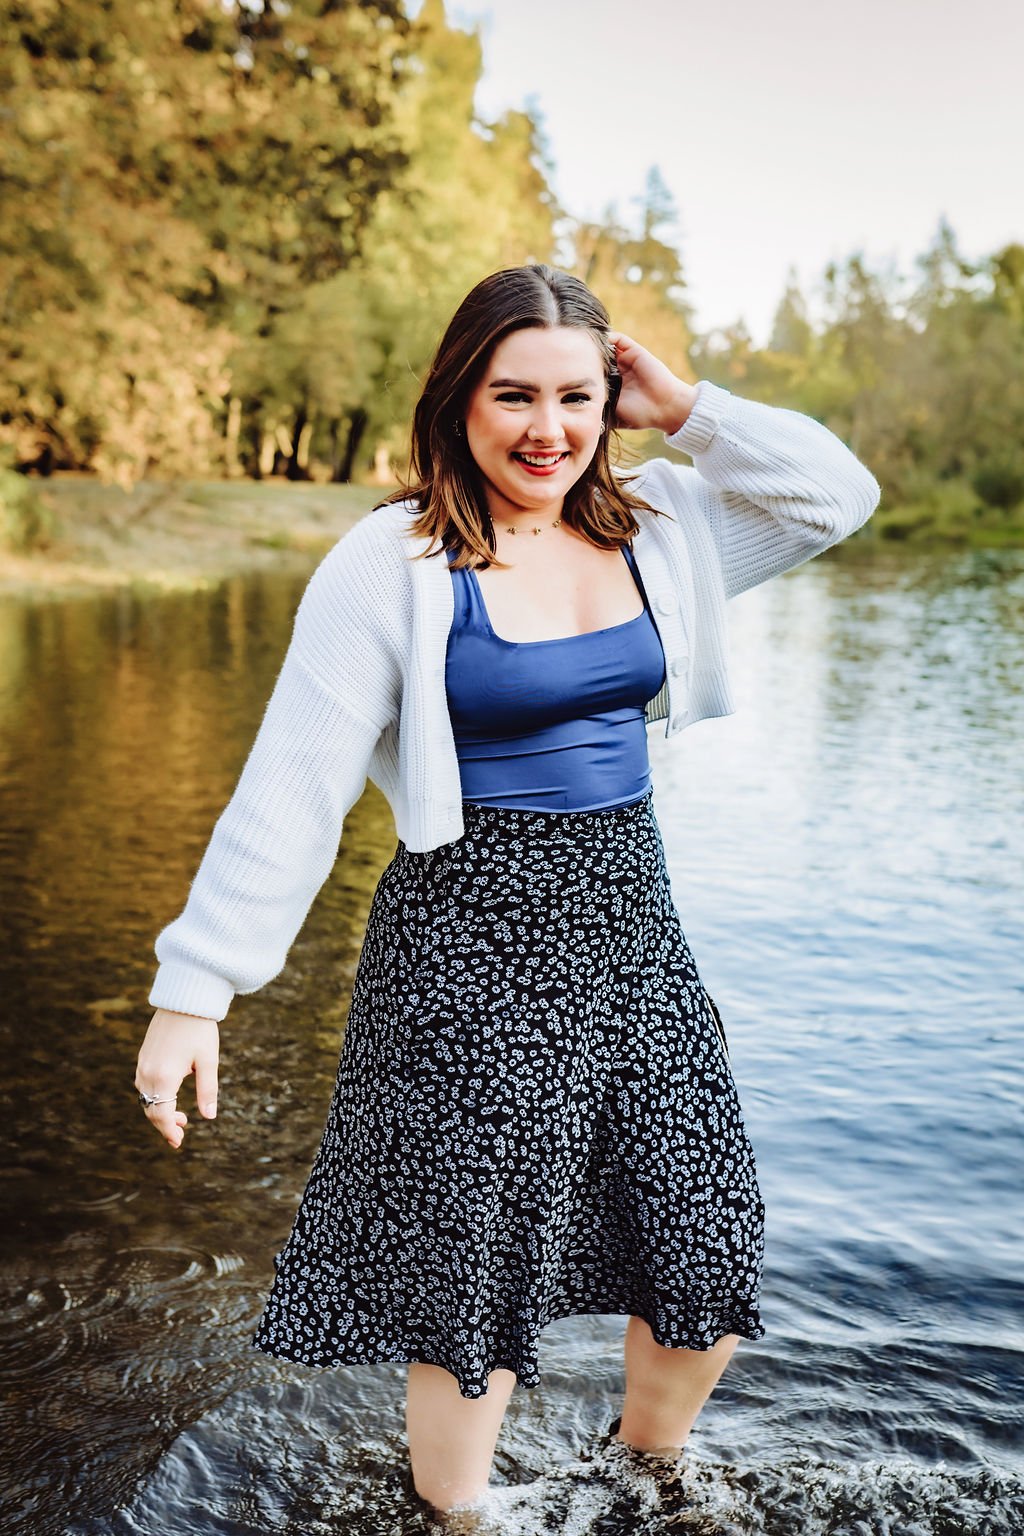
[{"x": 585, "y": 634}]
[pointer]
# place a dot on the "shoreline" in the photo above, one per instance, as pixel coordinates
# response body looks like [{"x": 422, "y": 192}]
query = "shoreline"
[
  {"x": 193, "y": 535},
  {"x": 181, "y": 536}
]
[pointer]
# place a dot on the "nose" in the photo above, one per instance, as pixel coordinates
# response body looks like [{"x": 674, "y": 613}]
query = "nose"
[{"x": 545, "y": 422}]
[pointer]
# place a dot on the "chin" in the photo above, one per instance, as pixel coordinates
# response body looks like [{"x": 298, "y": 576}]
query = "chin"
[{"x": 542, "y": 491}]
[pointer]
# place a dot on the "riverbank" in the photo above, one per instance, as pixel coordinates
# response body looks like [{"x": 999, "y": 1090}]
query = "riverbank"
[
  {"x": 192, "y": 535},
  {"x": 186, "y": 535}
]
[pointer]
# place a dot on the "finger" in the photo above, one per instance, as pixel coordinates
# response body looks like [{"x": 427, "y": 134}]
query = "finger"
[
  {"x": 161, "y": 1114},
  {"x": 171, "y": 1130},
  {"x": 165, "y": 1115},
  {"x": 176, "y": 1134},
  {"x": 206, "y": 1085}
]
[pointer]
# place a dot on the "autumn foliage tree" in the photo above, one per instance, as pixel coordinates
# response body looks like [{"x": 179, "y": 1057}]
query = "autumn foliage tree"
[{"x": 231, "y": 232}]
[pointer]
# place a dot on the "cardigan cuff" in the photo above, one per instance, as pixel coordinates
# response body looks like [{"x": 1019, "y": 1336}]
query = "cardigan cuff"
[
  {"x": 703, "y": 421},
  {"x": 187, "y": 989}
]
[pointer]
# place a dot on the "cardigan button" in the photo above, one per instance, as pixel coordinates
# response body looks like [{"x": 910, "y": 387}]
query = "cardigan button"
[
  {"x": 667, "y": 603},
  {"x": 678, "y": 665}
]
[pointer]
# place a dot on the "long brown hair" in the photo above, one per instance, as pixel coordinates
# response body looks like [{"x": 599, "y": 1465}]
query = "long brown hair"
[{"x": 443, "y": 478}]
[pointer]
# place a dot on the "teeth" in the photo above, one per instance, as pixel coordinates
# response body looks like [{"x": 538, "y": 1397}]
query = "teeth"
[{"x": 541, "y": 461}]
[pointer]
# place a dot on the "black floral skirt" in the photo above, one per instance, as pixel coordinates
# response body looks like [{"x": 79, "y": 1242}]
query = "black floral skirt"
[{"x": 534, "y": 1114}]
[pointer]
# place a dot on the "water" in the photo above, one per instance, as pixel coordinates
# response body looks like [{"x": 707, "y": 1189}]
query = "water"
[{"x": 846, "y": 854}]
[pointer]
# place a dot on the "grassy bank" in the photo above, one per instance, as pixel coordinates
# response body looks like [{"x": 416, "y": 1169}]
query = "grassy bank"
[
  {"x": 186, "y": 535},
  {"x": 948, "y": 522},
  {"x": 193, "y": 534}
]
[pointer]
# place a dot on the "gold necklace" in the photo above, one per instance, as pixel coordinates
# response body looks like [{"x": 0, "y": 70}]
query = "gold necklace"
[{"x": 555, "y": 524}]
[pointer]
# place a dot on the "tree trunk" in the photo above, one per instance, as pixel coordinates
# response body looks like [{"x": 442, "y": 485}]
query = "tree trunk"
[
  {"x": 296, "y": 466},
  {"x": 357, "y": 423},
  {"x": 302, "y": 449},
  {"x": 232, "y": 430},
  {"x": 267, "y": 453}
]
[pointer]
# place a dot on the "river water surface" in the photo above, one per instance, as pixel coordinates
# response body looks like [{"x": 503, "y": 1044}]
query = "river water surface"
[{"x": 846, "y": 853}]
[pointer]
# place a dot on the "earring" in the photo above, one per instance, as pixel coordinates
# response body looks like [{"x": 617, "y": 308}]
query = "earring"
[{"x": 458, "y": 429}]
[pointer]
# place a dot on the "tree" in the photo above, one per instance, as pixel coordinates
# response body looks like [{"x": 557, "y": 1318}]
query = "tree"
[
  {"x": 473, "y": 197},
  {"x": 639, "y": 276},
  {"x": 944, "y": 275},
  {"x": 172, "y": 176},
  {"x": 1006, "y": 269},
  {"x": 792, "y": 331}
]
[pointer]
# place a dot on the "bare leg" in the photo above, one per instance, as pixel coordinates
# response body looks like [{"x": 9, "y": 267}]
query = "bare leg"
[
  {"x": 666, "y": 1388},
  {"x": 451, "y": 1437}
]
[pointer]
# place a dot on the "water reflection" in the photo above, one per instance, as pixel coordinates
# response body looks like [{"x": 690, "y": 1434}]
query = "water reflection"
[{"x": 846, "y": 854}]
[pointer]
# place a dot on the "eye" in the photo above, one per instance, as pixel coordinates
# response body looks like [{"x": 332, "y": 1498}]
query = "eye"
[
  {"x": 581, "y": 398},
  {"x": 512, "y": 395}
]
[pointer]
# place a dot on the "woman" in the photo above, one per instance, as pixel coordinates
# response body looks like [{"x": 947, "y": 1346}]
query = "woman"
[{"x": 534, "y": 1114}]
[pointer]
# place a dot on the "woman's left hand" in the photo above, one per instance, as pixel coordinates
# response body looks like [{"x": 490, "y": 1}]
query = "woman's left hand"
[{"x": 651, "y": 395}]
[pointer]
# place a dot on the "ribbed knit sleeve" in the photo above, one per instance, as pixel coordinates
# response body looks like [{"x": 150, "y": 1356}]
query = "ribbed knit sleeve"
[
  {"x": 275, "y": 842},
  {"x": 775, "y": 486}
]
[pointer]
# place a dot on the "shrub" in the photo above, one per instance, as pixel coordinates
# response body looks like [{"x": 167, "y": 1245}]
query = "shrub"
[
  {"x": 999, "y": 480},
  {"x": 945, "y": 509}
]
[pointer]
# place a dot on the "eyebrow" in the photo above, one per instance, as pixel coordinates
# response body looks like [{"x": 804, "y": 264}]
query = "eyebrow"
[{"x": 521, "y": 384}]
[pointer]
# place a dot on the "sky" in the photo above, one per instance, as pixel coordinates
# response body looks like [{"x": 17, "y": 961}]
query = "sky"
[{"x": 789, "y": 134}]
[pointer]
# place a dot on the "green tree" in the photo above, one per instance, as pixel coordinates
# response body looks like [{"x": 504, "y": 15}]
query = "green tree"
[
  {"x": 944, "y": 275},
  {"x": 173, "y": 174},
  {"x": 473, "y": 198},
  {"x": 638, "y": 275},
  {"x": 1006, "y": 269},
  {"x": 792, "y": 331}
]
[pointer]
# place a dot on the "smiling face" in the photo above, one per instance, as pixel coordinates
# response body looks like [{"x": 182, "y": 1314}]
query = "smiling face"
[{"x": 533, "y": 422}]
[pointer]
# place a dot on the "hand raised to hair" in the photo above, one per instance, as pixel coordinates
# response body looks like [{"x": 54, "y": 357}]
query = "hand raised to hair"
[
  {"x": 651, "y": 395},
  {"x": 175, "y": 1045}
]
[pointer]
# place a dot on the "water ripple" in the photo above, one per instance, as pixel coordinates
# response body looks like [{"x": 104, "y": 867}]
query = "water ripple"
[
  {"x": 601, "y": 1489},
  {"x": 845, "y": 853}
]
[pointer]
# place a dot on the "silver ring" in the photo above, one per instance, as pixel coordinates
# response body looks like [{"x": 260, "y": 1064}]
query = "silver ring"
[{"x": 148, "y": 1099}]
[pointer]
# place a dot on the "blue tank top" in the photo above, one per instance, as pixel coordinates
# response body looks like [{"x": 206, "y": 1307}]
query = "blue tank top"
[{"x": 551, "y": 725}]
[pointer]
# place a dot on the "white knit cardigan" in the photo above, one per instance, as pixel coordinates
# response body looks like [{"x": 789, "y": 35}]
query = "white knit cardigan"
[{"x": 361, "y": 691}]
